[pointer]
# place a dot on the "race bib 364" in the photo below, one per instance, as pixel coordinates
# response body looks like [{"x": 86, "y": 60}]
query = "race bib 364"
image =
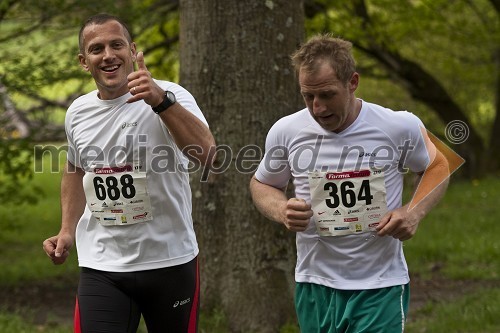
[{"x": 347, "y": 202}]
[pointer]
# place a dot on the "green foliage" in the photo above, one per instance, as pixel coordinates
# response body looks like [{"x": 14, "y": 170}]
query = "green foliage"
[
  {"x": 16, "y": 159},
  {"x": 162, "y": 61},
  {"x": 456, "y": 41},
  {"x": 40, "y": 46}
]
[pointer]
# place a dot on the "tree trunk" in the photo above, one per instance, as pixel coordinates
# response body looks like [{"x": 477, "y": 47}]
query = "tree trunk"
[{"x": 234, "y": 59}]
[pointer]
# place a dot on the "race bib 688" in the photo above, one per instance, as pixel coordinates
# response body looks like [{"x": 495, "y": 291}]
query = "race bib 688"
[{"x": 117, "y": 195}]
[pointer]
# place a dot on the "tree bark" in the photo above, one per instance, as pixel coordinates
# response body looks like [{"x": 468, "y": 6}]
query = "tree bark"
[{"x": 234, "y": 58}]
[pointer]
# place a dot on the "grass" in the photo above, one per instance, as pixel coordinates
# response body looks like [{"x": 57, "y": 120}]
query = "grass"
[
  {"x": 457, "y": 240},
  {"x": 10, "y": 323},
  {"x": 457, "y": 235},
  {"x": 474, "y": 313}
]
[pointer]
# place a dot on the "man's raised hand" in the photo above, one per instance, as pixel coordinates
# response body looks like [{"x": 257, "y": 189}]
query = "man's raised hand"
[{"x": 142, "y": 86}]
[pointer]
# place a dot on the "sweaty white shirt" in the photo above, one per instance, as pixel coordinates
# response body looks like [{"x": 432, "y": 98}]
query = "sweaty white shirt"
[
  {"x": 112, "y": 135},
  {"x": 297, "y": 145}
]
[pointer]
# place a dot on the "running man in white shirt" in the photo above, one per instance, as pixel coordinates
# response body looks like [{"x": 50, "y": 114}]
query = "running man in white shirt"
[
  {"x": 347, "y": 159},
  {"x": 125, "y": 194}
]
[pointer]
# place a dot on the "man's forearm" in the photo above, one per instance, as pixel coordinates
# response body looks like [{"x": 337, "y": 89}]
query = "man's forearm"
[
  {"x": 431, "y": 186},
  {"x": 269, "y": 201},
  {"x": 191, "y": 135},
  {"x": 72, "y": 198}
]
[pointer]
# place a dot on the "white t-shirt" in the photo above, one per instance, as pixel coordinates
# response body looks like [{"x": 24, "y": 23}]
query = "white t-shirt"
[
  {"x": 297, "y": 145},
  {"x": 130, "y": 144}
]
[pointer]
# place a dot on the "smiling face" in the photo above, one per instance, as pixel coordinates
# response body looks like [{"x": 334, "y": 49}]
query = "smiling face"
[
  {"x": 331, "y": 102},
  {"x": 109, "y": 56}
]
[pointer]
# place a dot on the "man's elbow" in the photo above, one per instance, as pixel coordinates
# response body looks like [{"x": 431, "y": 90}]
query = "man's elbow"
[
  {"x": 207, "y": 158},
  {"x": 440, "y": 168}
]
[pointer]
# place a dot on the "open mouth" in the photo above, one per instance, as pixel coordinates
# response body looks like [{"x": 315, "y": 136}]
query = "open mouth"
[{"x": 110, "y": 69}]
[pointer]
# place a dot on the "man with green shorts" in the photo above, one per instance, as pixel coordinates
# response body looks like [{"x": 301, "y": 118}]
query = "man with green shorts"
[
  {"x": 324, "y": 309},
  {"x": 347, "y": 158}
]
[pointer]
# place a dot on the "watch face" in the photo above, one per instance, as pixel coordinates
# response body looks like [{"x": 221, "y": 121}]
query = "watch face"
[
  {"x": 167, "y": 102},
  {"x": 171, "y": 96}
]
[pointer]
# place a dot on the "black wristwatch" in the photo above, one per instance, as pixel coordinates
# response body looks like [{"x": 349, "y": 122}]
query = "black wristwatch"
[{"x": 167, "y": 102}]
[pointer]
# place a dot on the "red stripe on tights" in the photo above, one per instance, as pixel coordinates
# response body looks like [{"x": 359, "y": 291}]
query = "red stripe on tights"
[
  {"x": 76, "y": 319},
  {"x": 193, "y": 317}
]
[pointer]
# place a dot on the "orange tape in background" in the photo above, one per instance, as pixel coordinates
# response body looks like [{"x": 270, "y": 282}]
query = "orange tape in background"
[{"x": 427, "y": 184}]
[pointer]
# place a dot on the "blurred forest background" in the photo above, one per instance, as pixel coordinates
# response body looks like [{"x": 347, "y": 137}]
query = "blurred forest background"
[{"x": 439, "y": 59}]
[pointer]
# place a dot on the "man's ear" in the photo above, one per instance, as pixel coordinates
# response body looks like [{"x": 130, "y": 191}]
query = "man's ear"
[
  {"x": 133, "y": 51},
  {"x": 83, "y": 62},
  {"x": 354, "y": 82}
]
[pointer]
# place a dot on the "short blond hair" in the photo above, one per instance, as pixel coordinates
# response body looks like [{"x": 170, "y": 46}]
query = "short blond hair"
[{"x": 324, "y": 47}]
